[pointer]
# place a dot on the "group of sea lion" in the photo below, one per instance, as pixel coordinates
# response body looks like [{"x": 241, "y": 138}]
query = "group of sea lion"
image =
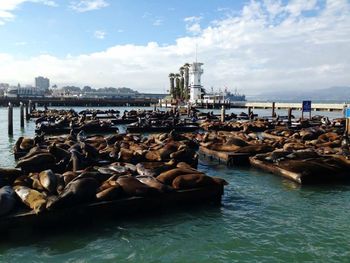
[
  {"x": 318, "y": 151},
  {"x": 63, "y": 171}
]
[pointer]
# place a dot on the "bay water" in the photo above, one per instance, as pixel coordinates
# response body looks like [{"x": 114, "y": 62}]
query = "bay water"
[{"x": 263, "y": 218}]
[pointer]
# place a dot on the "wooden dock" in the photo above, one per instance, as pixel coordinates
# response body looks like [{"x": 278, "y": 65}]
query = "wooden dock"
[
  {"x": 111, "y": 209},
  {"x": 229, "y": 158}
]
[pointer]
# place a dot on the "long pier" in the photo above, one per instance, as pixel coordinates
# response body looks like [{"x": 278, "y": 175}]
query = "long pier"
[
  {"x": 212, "y": 104},
  {"x": 287, "y": 105},
  {"x": 83, "y": 102}
]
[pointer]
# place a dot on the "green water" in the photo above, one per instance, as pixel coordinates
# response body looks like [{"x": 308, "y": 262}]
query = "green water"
[{"x": 263, "y": 218}]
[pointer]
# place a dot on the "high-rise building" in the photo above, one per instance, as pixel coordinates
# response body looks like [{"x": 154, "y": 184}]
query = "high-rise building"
[{"x": 42, "y": 83}]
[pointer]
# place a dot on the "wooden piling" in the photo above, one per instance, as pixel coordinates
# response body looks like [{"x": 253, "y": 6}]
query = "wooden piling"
[
  {"x": 30, "y": 106},
  {"x": 290, "y": 114},
  {"x": 273, "y": 109},
  {"x": 249, "y": 110},
  {"x": 10, "y": 119},
  {"x": 223, "y": 113},
  {"x": 21, "y": 114},
  {"x": 26, "y": 112}
]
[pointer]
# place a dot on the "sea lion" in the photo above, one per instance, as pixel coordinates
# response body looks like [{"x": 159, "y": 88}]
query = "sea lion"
[
  {"x": 223, "y": 147},
  {"x": 48, "y": 180},
  {"x": 36, "y": 185},
  {"x": 152, "y": 168},
  {"x": 7, "y": 199},
  {"x": 188, "y": 181},
  {"x": 184, "y": 165},
  {"x": 37, "y": 163},
  {"x": 69, "y": 176},
  {"x": 153, "y": 182},
  {"x": 58, "y": 152},
  {"x": 133, "y": 187},
  {"x": 236, "y": 141},
  {"x": 26, "y": 144},
  {"x": 9, "y": 175},
  {"x": 32, "y": 198},
  {"x": 111, "y": 193},
  {"x": 77, "y": 191},
  {"x": 168, "y": 176}
]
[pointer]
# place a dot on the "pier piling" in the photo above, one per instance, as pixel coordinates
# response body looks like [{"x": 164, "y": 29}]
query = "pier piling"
[
  {"x": 290, "y": 114},
  {"x": 30, "y": 106},
  {"x": 21, "y": 113},
  {"x": 273, "y": 109},
  {"x": 10, "y": 119},
  {"x": 26, "y": 111},
  {"x": 223, "y": 113}
]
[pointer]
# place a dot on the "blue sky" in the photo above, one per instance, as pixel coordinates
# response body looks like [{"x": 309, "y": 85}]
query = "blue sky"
[
  {"x": 61, "y": 30},
  {"x": 252, "y": 45}
]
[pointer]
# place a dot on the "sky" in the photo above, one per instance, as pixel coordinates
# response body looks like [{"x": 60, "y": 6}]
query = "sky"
[{"x": 254, "y": 46}]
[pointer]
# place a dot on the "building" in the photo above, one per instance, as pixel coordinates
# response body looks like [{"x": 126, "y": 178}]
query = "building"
[
  {"x": 42, "y": 83},
  {"x": 23, "y": 92},
  {"x": 195, "y": 81}
]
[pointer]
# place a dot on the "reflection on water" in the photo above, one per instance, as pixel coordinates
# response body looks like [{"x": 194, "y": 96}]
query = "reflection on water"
[{"x": 263, "y": 218}]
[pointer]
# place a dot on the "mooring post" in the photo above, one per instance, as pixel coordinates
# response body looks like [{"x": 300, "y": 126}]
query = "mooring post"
[
  {"x": 30, "y": 106},
  {"x": 10, "y": 119},
  {"x": 26, "y": 111},
  {"x": 290, "y": 114},
  {"x": 21, "y": 114},
  {"x": 222, "y": 113},
  {"x": 249, "y": 110},
  {"x": 273, "y": 109}
]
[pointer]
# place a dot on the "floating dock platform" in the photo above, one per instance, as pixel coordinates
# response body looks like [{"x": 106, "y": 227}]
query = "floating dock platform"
[
  {"x": 229, "y": 158},
  {"x": 112, "y": 209}
]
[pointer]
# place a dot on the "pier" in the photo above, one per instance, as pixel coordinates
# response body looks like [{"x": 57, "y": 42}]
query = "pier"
[
  {"x": 212, "y": 104},
  {"x": 82, "y": 102}
]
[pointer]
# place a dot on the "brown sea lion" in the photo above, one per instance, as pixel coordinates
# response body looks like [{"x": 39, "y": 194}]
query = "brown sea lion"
[
  {"x": 78, "y": 191},
  {"x": 133, "y": 187},
  {"x": 188, "y": 181},
  {"x": 168, "y": 176},
  {"x": 111, "y": 193},
  {"x": 26, "y": 144},
  {"x": 153, "y": 182},
  {"x": 37, "y": 162},
  {"x": 32, "y": 198},
  {"x": 69, "y": 176},
  {"x": 48, "y": 180}
]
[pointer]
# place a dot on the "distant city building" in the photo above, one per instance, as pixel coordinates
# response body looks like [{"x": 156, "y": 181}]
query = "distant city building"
[
  {"x": 4, "y": 85},
  {"x": 23, "y": 92},
  {"x": 42, "y": 83}
]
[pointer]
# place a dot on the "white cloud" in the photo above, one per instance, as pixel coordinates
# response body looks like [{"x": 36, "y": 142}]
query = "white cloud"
[
  {"x": 7, "y": 7},
  {"x": 251, "y": 51},
  {"x": 158, "y": 22},
  {"x": 193, "y": 24},
  {"x": 87, "y": 5},
  {"x": 100, "y": 34}
]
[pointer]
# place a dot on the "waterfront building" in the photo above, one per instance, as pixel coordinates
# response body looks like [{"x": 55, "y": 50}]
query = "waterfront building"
[
  {"x": 23, "y": 92},
  {"x": 42, "y": 83}
]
